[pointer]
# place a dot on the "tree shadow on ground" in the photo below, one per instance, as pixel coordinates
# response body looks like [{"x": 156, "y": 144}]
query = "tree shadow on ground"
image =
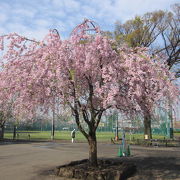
[
  {"x": 148, "y": 168},
  {"x": 152, "y": 168},
  {"x": 19, "y": 141}
]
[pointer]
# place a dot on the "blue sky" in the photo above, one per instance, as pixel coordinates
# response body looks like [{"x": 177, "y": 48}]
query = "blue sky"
[{"x": 34, "y": 18}]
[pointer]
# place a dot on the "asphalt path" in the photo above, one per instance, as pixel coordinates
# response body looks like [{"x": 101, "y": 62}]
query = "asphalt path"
[{"x": 35, "y": 161}]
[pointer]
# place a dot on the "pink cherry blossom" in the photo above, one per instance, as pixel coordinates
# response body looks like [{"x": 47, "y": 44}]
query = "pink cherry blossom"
[{"x": 83, "y": 72}]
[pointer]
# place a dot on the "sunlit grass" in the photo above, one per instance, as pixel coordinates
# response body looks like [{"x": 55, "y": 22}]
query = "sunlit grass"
[{"x": 66, "y": 135}]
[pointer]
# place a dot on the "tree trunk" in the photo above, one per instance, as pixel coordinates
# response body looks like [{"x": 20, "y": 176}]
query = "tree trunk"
[
  {"x": 53, "y": 126},
  {"x": 92, "y": 150},
  {"x": 170, "y": 115},
  {"x": 52, "y": 131},
  {"x": 2, "y": 132},
  {"x": 14, "y": 132},
  {"x": 116, "y": 132},
  {"x": 147, "y": 126}
]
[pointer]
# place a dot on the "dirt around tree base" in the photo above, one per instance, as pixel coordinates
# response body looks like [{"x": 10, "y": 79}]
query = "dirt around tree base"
[{"x": 108, "y": 169}]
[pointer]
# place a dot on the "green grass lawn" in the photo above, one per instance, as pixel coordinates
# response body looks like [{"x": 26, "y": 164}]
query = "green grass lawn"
[{"x": 66, "y": 135}]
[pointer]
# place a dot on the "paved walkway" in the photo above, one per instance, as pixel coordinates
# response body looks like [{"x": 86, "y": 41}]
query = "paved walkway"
[{"x": 32, "y": 161}]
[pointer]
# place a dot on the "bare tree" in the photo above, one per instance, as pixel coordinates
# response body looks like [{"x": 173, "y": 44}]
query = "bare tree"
[
  {"x": 142, "y": 30},
  {"x": 171, "y": 39},
  {"x": 150, "y": 30}
]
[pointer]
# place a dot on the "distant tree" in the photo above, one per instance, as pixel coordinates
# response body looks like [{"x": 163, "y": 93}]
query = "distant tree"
[
  {"x": 5, "y": 115},
  {"x": 158, "y": 30},
  {"x": 2, "y": 123},
  {"x": 141, "y": 31},
  {"x": 150, "y": 83}
]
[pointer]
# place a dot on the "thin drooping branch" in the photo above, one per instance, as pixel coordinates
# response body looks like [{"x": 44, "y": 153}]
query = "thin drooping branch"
[{"x": 25, "y": 38}]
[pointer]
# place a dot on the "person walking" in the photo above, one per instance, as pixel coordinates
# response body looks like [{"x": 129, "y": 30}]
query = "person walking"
[{"x": 73, "y": 134}]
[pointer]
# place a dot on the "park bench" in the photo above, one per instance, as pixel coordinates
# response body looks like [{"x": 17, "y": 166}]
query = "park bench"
[
  {"x": 154, "y": 142},
  {"x": 151, "y": 142},
  {"x": 162, "y": 142},
  {"x": 114, "y": 141}
]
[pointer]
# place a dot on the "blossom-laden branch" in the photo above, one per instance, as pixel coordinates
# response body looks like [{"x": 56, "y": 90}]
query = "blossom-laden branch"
[{"x": 82, "y": 70}]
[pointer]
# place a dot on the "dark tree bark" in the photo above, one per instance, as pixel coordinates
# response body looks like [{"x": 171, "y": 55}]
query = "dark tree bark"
[
  {"x": 91, "y": 135},
  {"x": 91, "y": 117},
  {"x": 92, "y": 149},
  {"x": 53, "y": 126},
  {"x": 2, "y": 124},
  {"x": 14, "y": 132},
  {"x": 147, "y": 125},
  {"x": 2, "y": 132}
]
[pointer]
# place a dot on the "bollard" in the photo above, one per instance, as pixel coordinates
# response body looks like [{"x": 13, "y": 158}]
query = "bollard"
[
  {"x": 120, "y": 153},
  {"x": 124, "y": 152},
  {"x": 124, "y": 149},
  {"x": 128, "y": 151}
]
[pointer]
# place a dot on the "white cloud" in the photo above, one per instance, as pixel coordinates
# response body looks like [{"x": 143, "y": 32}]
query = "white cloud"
[
  {"x": 42, "y": 23},
  {"x": 3, "y": 18},
  {"x": 26, "y": 13},
  {"x": 72, "y": 4},
  {"x": 33, "y": 16},
  {"x": 67, "y": 5},
  {"x": 38, "y": 33}
]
